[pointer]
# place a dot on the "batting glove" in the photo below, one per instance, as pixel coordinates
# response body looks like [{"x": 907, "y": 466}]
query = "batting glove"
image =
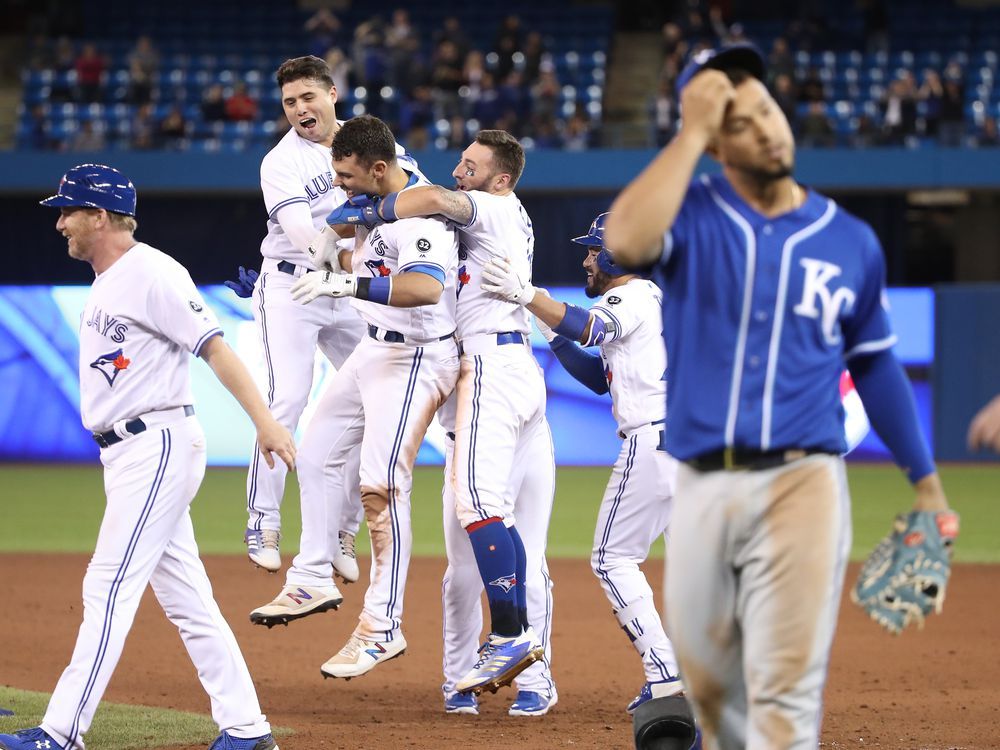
[
  {"x": 323, "y": 284},
  {"x": 323, "y": 249},
  {"x": 359, "y": 210},
  {"x": 543, "y": 328},
  {"x": 243, "y": 286},
  {"x": 500, "y": 278}
]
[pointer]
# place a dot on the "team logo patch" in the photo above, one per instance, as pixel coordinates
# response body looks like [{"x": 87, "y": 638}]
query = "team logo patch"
[
  {"x": 463, "y": 279},
  {"x": 378, "y": 267},
  {"x": 613, "y": 300},
  {"x": 505, "y": 582},
  {"x": 109, "y": 365},
  {"x": 195, "y": 306},
  {"x": 423, "y": 246}
]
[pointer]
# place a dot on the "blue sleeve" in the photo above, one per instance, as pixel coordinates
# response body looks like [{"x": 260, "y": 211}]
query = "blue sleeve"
[
  {"x": 888, "y": 398},
  {"x": 426, "y": 268},
  {"x": 582, "y": 365}
]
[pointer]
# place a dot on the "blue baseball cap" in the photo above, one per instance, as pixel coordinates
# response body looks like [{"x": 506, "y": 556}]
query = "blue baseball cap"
[
  {"x": 743, "y": 55},
  {"x": 95, "y": 186}
]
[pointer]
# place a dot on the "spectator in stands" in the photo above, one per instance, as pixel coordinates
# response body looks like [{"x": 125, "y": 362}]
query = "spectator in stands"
[
  {"x": 507, "y": 44},
  {"x": 662, "y": 114},
  {"x": 535, "y": 56},
  {"x": 930, "y": 95},
  {"x": 90, "y": 67},
  {"x": 140, "y": 84},
  {"x": 40, "y": 55},
  {"x": 577, "y": 135},
  {"x": 451, "y": 31},
  {"x": 487, "y": 107},
  {"x": 87, "y": 138},
  {"x": 988, "y": 136},
  {"x": 172, "y": 129},
  {"x": 786, "y": 97},
  {"x": 545, "y": 96},
  {"x": 213, "y": 104},
  {"x": 545, "y": 133},
  {"x": 445, "y": 79},
  {"x": 403, "y": 46},
  {"x": 815, "y": 128},
  {"x": 951, "y": 131},
  {"x": 876, "y": 20},
  {"x": 513, "y": 97},
  {"x": 340, "y": 70},
  {"x": 145, "y": 57},
  {"x": 457, "y": 137},
  {"x": 240, "y": 106},
  {"x": 65, "y": 55},
  {"x": 38, "y": 134},
  {"x": 472, "y": 75},
  {"x": 811, "y": 89},
  {"x": 143, "y": 136},
  {"x": 780, "y": 61},
  {"x": 899, "y": 110},
  {"x": 416, "y": 113},
  {"x": 673, "y": 39},
  {"x": 323, "y": 30},
  {"x": 368, "y": 53},
  {"x": 865, "y": 133}
]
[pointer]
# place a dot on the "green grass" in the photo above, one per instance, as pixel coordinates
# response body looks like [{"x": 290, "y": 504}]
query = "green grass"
[{"x": 59, "y": 508}]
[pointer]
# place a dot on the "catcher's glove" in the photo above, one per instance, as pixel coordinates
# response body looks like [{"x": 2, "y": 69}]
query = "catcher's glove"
[{"x": 904, "y": 578}]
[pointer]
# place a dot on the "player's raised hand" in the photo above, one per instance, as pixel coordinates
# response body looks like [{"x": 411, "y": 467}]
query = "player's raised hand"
[
  {"x": 500, "y": 278},
  {"x": 984, "y": 430},
  {"x": 323, "y": 284},
  {"x": 273, "y": 438},
  {"x": 243, "y": 286},
  {"x": 359, "y": 210},
  {"x": 704, "y": 101}
]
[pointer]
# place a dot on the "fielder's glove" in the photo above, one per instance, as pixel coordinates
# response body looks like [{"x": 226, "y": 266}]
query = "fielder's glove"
[
  {"x": 357, "y": 210},
  {"x": 323, "y": 248},
  {"x": 323, "y": 284},
  {"x": 904, "y": 578},
  {"x": 243, "y": 286},
  {"x": 500, "y": 278}
]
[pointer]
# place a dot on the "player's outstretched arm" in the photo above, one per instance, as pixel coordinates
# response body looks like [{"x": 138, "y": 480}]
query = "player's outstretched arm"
[
  {"x": 984, "y": 429},
  {"x": 233, "y": 374},
  {"x": 427, "y": 200},
  {"x": 648, "y": 205}
]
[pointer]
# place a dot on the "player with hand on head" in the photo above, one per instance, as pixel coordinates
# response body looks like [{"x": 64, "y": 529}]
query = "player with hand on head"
[
  {"x": 984, "y": 429},
  {"x": 384, "y": 397},
  {"x": 500, "y": 408},
  {"x": 769, "y": 288},
  {"x": 625, "y": 325},
  {"x": 142, "y": 318}
]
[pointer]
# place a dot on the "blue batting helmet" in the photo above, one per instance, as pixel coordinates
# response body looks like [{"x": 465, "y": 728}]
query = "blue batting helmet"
[
  {"x": 595, "y": 236},
  {"x": 742, "y": 55},
  {"x": 95, "y": 186}
]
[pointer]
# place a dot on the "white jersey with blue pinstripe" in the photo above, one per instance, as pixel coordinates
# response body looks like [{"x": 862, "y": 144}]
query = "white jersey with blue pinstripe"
[
  {"x": 391, "y": 249},
  {"x": 143, "y": 318},
  {"x": 300, "y": 171},
  {"x": 633, "y": 352}
]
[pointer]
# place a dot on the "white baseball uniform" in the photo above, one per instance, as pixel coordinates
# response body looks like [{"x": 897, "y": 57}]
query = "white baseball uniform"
[
  {"x": 384, "y": 397},
  {"x": 532, "y": 484},
  {"x": 142, "y": 319},
  {"x": 637, "y": 502}
]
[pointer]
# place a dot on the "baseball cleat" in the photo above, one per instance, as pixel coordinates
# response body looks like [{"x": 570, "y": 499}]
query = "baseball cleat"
[
  {"x": 262, "y": 548},
  {"x": 295, "y": 602},
  {"x": 532, "y": 703},
  {"x": 501, "y": 659},
  {"x": 361, "y": 655},
  {"x": 461, "y": 703},
  {"x": 226, "y": 741},
  {"x": 345, "y": 561},
  {"x": 658, "y": 689},
  {"x": 28, "y": 739}
]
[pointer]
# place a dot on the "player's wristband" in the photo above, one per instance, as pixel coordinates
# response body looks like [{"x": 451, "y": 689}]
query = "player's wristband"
[
  {"x": 376, "y": 290},
  {"x": 574, "y": 323},
  {"x": 387, "y": 207}
]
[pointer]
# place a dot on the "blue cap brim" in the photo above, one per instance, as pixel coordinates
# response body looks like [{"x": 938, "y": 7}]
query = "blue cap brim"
[{"x": 586, "y": 240}]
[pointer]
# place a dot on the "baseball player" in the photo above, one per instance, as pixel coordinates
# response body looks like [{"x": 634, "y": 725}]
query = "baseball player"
[
  {"x": 501, "y": 390},
  {"x": 385, "y": 395},
  {"x": 625, "y": 325},
  {"x": 768, "y": 289},
  {"x": 984, "y": 429},
  {"x": 141, "y": 319}
]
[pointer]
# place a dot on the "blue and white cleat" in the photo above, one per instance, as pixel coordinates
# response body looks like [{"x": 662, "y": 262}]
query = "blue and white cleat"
[
  {"x": 226, "y": 741},
  {"x": 35, "y": 738},
  {"x": 501, "y": 659},
  {"x": 532, "y": 703},
  {"x": 461, "y": 703},
  {"x": 658, "y": 689}
]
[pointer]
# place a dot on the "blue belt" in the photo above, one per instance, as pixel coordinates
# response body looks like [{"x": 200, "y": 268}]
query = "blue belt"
[
  {"x": 507, "y": 337},
  {"x": 395, "y": 337},
  {"x": 133, "y": 427},
  {"x": 285, "y": 267}
]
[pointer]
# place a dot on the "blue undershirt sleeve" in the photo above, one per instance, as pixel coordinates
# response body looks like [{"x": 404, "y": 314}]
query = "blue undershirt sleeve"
[
  {"x": 888, "y": 398},
  {"x": 581, "y": 364}
]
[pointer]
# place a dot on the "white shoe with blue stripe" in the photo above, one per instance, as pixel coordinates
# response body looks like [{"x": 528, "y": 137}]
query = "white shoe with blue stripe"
[
  {"x": 501, "y": 659},
  {"x": 658, "y": 689}
]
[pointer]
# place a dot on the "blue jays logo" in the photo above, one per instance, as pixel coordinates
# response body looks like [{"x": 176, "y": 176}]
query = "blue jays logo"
[
  {"x": 818, "y": 274},
  {"x": 378, "y": 267},
  {"x": 109, "y": 365},
  {"x": 463, "y": 279},
  {"x": 505, "y": 582}
]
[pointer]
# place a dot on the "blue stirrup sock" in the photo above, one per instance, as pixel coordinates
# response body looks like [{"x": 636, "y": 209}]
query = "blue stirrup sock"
[
  {"x": 522, "y": 575},
  {"x": 497, "y": 563}
]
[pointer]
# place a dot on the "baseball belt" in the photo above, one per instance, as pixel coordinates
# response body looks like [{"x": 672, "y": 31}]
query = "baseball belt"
[{"x": 137, "y": 426}]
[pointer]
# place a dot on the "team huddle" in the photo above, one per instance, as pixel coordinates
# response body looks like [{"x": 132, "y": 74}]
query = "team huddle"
[{"x": 420, "y": 296}]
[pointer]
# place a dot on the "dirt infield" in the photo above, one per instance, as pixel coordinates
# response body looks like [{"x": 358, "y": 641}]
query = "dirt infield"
[{"x": 939, "y": 688}]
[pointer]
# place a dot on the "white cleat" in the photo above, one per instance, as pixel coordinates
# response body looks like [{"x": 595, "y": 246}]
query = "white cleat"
[
  {"x": 345, "y": 561},
  {"x": 262, "y": 548},
  {"x": 295, "y": 602},
  {"x": 501, "y": 659},
  {"x": 359, "y": 656}
]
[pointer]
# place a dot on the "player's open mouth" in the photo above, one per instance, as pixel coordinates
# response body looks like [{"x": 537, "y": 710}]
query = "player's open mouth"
[{"x": 308, "y": 122}]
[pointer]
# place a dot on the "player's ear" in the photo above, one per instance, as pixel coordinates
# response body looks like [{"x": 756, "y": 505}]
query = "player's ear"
[
  {"x": 378, "y": 169},
  {"x": 503, "y": 181},
  {"x": 333, "y": 94}
]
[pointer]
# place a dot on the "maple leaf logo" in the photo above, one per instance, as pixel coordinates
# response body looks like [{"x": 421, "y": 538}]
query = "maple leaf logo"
[
  {"x": 121, "y": 362},
  {"x": 109, "y": 365}
]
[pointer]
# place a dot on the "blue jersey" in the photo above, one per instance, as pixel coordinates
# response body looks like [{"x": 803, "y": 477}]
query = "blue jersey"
[{"x": 759, "y": 316}]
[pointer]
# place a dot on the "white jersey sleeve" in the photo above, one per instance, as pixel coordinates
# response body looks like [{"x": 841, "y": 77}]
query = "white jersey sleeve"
[
  {"x": 499, "y": 228},
  {"x": 620, "y": 318},
  {"x": 177, "y": 310}
]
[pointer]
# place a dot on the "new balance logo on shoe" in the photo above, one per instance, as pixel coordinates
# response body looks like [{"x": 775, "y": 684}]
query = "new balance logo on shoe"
[
  {"x": 299, "y": 595},
  {"x": 375, "y": 651}
]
